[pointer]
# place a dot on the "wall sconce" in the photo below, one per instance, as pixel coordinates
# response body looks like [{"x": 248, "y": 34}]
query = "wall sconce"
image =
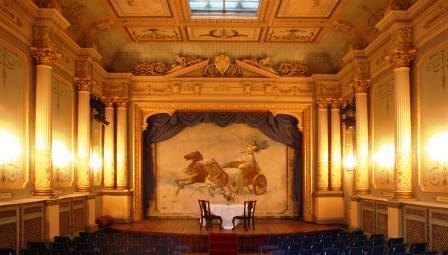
[
  {"x": 10, "y": 151},
  {"x": 349, "y": 163},
  {"x": 438, "y": 152},
  {"x": 385, "y": 159},
  {"x": 61, "y": 159}
]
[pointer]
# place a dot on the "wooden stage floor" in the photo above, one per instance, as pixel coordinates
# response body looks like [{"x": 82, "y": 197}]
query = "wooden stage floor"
[{"x": 191, "y": 227}]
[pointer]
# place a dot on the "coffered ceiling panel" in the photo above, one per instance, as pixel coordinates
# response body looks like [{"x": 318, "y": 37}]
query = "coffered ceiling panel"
[
  {"x": 155, "y": 33},
  {"x": 306, "y": 8},
  {"x": 141, "y": 8},
  {"x": 236, "y": 34},
  {"x": 292, "y": 34}
]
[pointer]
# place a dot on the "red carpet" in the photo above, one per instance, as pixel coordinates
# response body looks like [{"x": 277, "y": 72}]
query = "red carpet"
[{"x": 223, "y": 244}]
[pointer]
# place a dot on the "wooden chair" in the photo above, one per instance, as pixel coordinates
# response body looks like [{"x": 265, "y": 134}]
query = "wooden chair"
[
  {"x": 206, "y": 215},
  {"x": 248, "y": 216}
]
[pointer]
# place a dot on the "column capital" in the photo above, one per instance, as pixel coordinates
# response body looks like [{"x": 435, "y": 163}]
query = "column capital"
[
  {"x": 322, "y": 103},
  {"x": 361, "y": 86},
  {"x": 83, "y": 84},
  {"x": 121, "y": 101},
  {"x": 336, "y": 103},
  {"x": 44, "y": 56},
  {"x": 402, "y": 58},
  {"x": 108, "y": 101}
]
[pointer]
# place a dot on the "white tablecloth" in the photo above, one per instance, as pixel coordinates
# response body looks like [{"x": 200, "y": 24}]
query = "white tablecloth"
[{"x": 227, "y": 212}]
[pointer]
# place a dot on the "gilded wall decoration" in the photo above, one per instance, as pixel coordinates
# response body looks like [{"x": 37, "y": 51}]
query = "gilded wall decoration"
[
  {"x": 223, "y": 34},
  {"x": 184, "y": 61},
  {"x": 150, "y": 69},
  {"x": 5, "y": 11},
  {"x": 433, "y": 132},
  {"x": 294, "y": 69},
  {"x": 260, "y": 62},
  {"x": 96, "y": 151},
  {"x": 141, "y": 8},
  {"x": 62, "y": 132},
  {"x": 383, "y": 135},
  {"x": 13, "y": 122},
  {"x": 292, "y": 34},
  {"x": 238, "y": 157},
  {"x": 155, "y": 33},
  {"x": 222, "y": 66},
  {"x": 306, "y": 8}
]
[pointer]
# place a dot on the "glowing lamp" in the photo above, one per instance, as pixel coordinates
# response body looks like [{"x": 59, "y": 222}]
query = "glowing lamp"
[
  {"x": 385, "y": 159},
  {"x": 95, "y": 162},
  {"x": 349, "y": 163},
  {"x": 438, "y": 148},
  {"x": 10, "y": 149},
  {"x": 61, "y": 156}
]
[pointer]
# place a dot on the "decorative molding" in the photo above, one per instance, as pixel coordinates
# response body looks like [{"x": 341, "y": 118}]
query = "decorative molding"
[
  {"x": 150, "y": 69},
  {"x": 6, "y": 11},
  {"x": 183, "y": 62},
  {"x": 294, "y": 69},
  {"x": 292, "y": 34},
  {"x": 402, "y": 58},
  {"x": 262, "y": 63},
  {"x": 222, "y": 66},
  {"x": 361, "y": 86},
  {"x": 83, "y": 84},
  {"x": 155, "y": 33}
]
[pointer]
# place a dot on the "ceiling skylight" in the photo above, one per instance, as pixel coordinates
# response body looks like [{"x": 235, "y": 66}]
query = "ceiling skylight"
[{"x": 224, "y": 6}]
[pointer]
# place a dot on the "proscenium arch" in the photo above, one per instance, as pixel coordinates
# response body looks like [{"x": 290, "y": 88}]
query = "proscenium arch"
[{"x": 283, "y": 128}]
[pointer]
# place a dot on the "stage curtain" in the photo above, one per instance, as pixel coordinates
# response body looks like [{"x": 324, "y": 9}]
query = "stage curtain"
[{"x": 281, "y": 128}]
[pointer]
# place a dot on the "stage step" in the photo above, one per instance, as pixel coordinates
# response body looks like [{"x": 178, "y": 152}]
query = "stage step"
[{"x": 223, "y": 244}]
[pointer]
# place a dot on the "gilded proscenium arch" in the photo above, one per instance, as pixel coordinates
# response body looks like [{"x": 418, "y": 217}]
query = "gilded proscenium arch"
[{"x": 143, "y": 110}]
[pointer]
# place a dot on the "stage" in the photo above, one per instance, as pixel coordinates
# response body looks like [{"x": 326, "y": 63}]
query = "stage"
[{"x": 191, "y": 227}]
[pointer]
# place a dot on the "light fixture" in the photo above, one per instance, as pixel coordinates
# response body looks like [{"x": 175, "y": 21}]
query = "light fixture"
[
  {"x": 438, "y": 152},
  {"x": 61, "y": 158},
  {"x": 349, "y": 163},
  {"x": 10, "y": 151},
  {"x": 385, "y": 159}
]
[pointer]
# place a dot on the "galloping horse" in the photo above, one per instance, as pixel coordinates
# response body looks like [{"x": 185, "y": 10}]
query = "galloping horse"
[{"x": 195, "y": 171}]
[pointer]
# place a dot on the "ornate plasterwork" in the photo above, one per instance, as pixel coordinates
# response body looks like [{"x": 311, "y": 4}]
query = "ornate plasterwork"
[
  {"x": 155, "y": 33},
  {"x": 361, "y": 86},
  {"x": 294, "y": 69},
  {"x": 184, "y": 61},
  {"x": 402, "y": 58},
  {"x": 307, "y": 9},
  {"x": 150, "y": 69},
  {"x": 224, "y": 34},
  {"x": 263, "y": 63},
  {"x": 45, "y": 56},
  {"x": 222, "y": 66},
  {"x": 141, "y": 8},
  {"x": 292, "y": 34},
  {"x": 83, "y": 84}
]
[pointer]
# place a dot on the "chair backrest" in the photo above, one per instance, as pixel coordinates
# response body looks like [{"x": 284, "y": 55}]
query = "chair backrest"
[
  {"x": 205, "y": 207},
  {"x": 249, "y": 208},
  {"x": 7, "y": 251}
]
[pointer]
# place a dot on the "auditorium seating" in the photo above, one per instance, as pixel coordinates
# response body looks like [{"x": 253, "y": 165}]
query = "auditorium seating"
[{"x": 322, "y": 243}]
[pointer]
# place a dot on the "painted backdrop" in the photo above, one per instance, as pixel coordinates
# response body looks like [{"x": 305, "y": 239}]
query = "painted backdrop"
[{"x": 210, "y": 162}]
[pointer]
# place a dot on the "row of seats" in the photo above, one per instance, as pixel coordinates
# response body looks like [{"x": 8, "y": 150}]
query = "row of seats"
[{"x": 341, "y": 242}]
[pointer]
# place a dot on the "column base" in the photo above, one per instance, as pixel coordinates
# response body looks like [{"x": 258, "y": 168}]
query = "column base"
[
  {"x": 403, "y": 194},
  {"x": 84, "y": 189},
  {"x": 47, "y": 193}
]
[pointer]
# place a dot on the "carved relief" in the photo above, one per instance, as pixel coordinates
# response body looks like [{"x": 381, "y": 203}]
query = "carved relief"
[
  {"x": 222, "y": 66},
  {"x": 223, "y": 34},
  {"x": 184, "y": 61},
  {"x": 361, "y": 86},
  {"x": 263, "y": 63},
  {"x": 41, "y": 36},
  {"x": 44, "y": 56},
  {"x": 155, "y": 33},
  {"x": 402, "y": 58},
  {"x": 5, "y": 10},
  {"x": 150, "y": 69},
  {"x": 83, "y": 84},
  {"x": 404, "y": 38},
  {"x": 294, "y": 69},
  {"x": 292, "y": 34}
]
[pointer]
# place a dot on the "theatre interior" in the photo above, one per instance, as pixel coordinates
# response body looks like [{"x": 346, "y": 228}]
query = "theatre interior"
[{"x": 283, "y": 127}]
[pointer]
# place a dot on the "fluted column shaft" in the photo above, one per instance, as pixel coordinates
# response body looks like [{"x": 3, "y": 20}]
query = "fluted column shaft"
[
  {"x": 109, "y": 147},
  {"x": 43, "y": 169},
  {"x": 84, "y": 173},
  {"x": 322, "y": 143},
  {"x": 336, "y": 162},
  {"x": 402, "y": 96},
  {"x": 122, "y": 141},
  {"x": 361, "y": 177}
]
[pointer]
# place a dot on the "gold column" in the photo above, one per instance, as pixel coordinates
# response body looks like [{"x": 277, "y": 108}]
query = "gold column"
[
  {"x": 122, "y": 142},
  {"x": 43, "y": 169},
  {"x": 84, "y": 173},
  {"x": 335, "y": 171},
  {"x": 109, "y": 146},
  {"x": 322, "y": 143},
  {"x": 361, "y": 177},
  {"x": 403, "y": 158}
]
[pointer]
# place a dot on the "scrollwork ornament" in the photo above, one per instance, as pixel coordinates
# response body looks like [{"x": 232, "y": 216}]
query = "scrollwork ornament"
[
  {"x": 402, "y": 58},
  {"x": 294, "y": 69},
  {"x": 150, "y": 69},
  {"x": 122, "y": 102},
  {"x": 44, "y": 56}
]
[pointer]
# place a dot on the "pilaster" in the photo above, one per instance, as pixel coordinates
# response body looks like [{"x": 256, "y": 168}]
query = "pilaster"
[
  {"x": 361, "y": 175},
  {"x": 322, "y": 144},
  {"x": 122, "y": 142},
  {"x": 336, "y": 161}
]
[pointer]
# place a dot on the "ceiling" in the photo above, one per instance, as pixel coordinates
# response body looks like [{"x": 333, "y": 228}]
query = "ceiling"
[{"x": 313, "y": 32}]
